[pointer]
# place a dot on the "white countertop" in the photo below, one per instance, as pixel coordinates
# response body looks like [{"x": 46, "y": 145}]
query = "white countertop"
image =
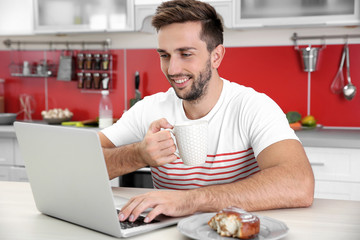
[
  {"x": 19, "y": 219},
  {"x": 330, "y": 137},
  {"x": 8, "y": 131}
]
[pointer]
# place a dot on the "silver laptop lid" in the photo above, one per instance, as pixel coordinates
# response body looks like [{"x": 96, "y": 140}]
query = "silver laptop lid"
[{"x": 68, "y": 175}]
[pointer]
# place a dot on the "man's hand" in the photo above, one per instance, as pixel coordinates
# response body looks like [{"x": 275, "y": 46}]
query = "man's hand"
[
  {"x": 169, "y": 203},
  {"x": 157, "y": 147}
]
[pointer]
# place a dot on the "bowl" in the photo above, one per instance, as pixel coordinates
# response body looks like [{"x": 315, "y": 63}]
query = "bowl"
[
  {"x": 56, "y": 120},
  {"x": 7, "y": 118}
]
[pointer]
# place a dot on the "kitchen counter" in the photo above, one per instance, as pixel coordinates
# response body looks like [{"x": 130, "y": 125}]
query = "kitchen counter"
[
  {"x": 330, "y": 137},
  {"x": 19, "y": 219},
  {"x": 8, "y": 131},
  {"x": 319, "y": 137}
]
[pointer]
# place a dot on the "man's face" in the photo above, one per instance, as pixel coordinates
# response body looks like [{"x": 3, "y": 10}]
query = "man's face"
[{"x": 185, "y": 60}]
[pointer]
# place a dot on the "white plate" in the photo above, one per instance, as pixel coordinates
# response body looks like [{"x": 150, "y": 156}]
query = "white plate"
[{"x": 196, "y": 227}]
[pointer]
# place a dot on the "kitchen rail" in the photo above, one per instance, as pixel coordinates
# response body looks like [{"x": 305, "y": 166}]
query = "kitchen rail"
[
  {"x": 295, "y": 37},
  {"x": 106, "y": 43}
]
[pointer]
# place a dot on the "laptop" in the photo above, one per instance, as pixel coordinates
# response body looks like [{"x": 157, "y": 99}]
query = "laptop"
[{"x": 69, "y": 179}]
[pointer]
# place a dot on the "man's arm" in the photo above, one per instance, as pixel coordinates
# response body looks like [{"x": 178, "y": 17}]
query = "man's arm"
[
  {"x": 120, "y": 160},
  {"x": 285, "y": 180},
  {"x": 156, "y": 149}
]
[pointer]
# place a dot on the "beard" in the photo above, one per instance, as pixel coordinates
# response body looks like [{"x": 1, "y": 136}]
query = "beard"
[{"x": 199, "y": 86}]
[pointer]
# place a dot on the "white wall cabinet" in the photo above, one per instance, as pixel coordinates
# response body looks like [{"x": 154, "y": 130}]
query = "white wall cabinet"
[
  {"x": 16, "y": 17},
  {"x": 336, "y": 172},
  {"x": 145, "y": 9},
  {"x": 74, "y": 16},
  {"x": 294, "y": 13},
  {"x": 267, "y": 13},
  {"x": 29, "y": 17}
]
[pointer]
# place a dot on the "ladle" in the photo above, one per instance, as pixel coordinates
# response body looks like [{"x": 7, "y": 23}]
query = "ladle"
[
  {"x": 349, "y": 90},
  {"x": 337, "y": 85}
]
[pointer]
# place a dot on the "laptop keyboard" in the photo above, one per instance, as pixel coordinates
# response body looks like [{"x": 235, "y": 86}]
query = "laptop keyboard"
[{"x": 138, "y": 222}]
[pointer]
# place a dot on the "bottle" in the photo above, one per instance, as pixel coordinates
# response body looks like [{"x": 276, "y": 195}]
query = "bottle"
[
  {"x": 88, "y": 62},
  {"x": 26, "y": 68},
  {"x": 80, "y": 61},
  {"x": 81, "y": 80},
  {"x": 105, "y": 62},
  {"x": 105, "y": 110},
  {"x": 97, "y": 62},
  {"x": 88, "y": 81}
]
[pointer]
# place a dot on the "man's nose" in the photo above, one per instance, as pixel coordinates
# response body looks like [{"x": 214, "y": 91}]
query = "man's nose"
[{"x": 174, "y": 66}]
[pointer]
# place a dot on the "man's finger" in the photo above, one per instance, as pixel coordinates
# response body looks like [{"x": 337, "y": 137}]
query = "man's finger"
[
  {"x": 153, "y": 214},
  {"x": 157, "y": 125}
]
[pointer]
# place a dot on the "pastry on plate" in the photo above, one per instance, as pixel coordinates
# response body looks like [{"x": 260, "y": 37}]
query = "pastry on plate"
[{"x": 235, "y": 222}]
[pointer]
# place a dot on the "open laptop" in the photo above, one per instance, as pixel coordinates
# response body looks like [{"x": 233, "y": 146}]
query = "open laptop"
[{"x": 69, "y": 179}]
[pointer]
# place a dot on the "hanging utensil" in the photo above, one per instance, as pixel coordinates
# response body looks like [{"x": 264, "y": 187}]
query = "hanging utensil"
[
  {"x": 338, "y": 83},
  {"x": 137, "y": 83},
  {"x": 66, "y": 67},
  {"x": 310, "y": 57},
  {"x": 28, "y": 106},
  {"x": 137, "y": 92},
  {"x": 349, "y": 90}
]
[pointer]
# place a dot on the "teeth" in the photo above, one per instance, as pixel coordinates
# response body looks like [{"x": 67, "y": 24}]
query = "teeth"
[{"x": 181, "y": 80}]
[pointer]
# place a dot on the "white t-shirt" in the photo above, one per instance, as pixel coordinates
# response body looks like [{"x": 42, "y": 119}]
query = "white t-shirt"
[{"x": 242, "y": 123}]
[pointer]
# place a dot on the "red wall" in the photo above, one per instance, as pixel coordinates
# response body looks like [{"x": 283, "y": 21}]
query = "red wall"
[{"x": 275, "y": 71}]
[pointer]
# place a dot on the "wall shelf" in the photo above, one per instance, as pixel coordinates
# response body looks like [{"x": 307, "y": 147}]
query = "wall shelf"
[{"x": 31, "y": 75}]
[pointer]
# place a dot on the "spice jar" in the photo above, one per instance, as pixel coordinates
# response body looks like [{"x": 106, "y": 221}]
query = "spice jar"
[
  {"x": 80, "y": 80},
  {"x": 88, "y": 61},
  {"x": 97, "y": 62},
  {"x": 88, "y": 80},
  {"x": 105, "y": 81},
  {"x": 97, "y": 80},
  {"x": 105, "y": 62},
  {"x": 80, "y": 61}
]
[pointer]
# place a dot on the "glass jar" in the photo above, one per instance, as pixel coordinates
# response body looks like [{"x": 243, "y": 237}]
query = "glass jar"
[
  {"x": 80, "y": 61},
  {"x": 97, "y": 80},
  {"x": 105, "y": 81},
  {"x": 105, "y": 62},
  {"x": 80, "y": 77},
  {"x": 97, "y": 62},
  {"x": 88, "y": 80},
  {"x": 88, "y": 61}
]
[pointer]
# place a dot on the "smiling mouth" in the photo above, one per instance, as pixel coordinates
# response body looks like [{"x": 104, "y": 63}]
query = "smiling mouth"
[{"x": 180, "y": 81}]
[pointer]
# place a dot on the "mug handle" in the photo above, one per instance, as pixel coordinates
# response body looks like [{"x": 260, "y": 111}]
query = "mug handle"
[{"x": 174, "y": 139}]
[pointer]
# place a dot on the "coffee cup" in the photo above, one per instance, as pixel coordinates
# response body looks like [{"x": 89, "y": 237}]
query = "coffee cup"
[{"x": 191, "y": 140}]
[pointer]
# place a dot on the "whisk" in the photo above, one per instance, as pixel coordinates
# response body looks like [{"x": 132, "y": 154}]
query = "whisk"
[
  {"x": 27, "y": 103},
  {"x": 338, "y": 84}
]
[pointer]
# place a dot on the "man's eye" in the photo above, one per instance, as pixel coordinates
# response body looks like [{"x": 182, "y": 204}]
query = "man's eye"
[
  {"x": 186, "y": 54},
  {"x": 164, "y": 55}
]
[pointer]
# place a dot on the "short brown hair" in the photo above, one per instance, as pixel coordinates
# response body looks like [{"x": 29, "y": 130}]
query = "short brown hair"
[{"x": 181, "y": 11}]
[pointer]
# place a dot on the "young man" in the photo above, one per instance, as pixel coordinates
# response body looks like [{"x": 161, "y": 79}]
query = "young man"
[{"x": 255, "y": 161}]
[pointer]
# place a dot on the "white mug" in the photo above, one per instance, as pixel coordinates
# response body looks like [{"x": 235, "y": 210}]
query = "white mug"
[{"x": 191, "y": 140}]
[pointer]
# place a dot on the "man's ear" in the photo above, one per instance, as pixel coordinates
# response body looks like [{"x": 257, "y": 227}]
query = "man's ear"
[{"x": 217, "y": 56}]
